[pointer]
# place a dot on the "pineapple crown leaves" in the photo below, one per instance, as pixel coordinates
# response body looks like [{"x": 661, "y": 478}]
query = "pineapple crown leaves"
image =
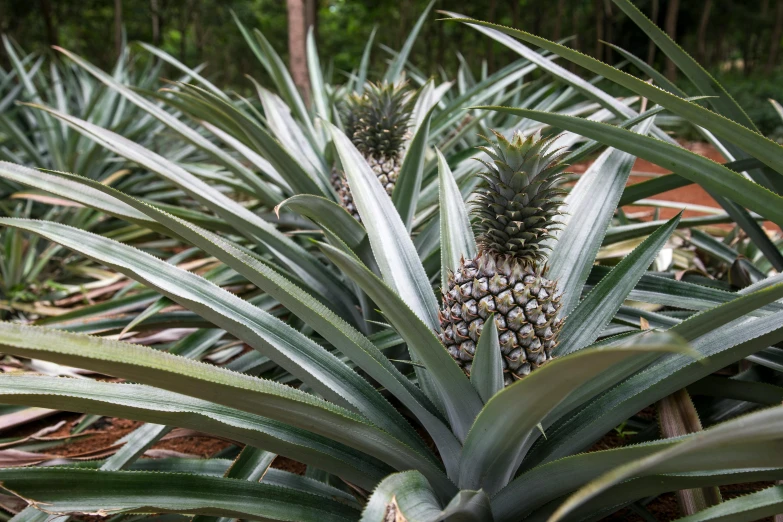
[
  {"x": 377, "y": 121},
  {"x": 517, "y": 205}
]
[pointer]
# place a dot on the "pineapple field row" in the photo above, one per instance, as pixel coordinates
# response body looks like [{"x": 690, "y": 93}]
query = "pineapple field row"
[{"x": 409, "y": 296}]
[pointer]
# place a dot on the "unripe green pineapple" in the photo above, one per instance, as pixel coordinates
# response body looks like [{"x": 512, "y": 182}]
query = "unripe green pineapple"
[
  {"x": 377, "y": 123},
  {"x": 514, "y": 214}
]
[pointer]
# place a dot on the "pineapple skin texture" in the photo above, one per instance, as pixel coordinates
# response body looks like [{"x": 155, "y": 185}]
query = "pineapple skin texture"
[
  {"x": 515, "y": 214},
  {"x": 525, "y": 306},
  {"x": 385, "y": 169},
  {"x": 340, "y": 185}
]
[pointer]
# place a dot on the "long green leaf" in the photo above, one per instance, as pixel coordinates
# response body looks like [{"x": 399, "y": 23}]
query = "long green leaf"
[
  {"x": 590, "y": 206},
  {"x": 394, "y": 251},
  {"x": 486, "y": 371},
  {"x": 496, "y": 439},
  {"x": 365, "y": 62},
  {"x": 254, "y": 395},
  {"x": 585, "y": 323},
  {"x": 757, "y": 427},
  {"x": 285, "y": 86},
  {"x": 755, "y": 506},
  {"x": 759, "y": 392},
  {"x": 260, "y": 188},
  {"x": 761, "y": 148},
  {"x": 244, "y": 221},
  {"x": 302, "y": 170},
  {"x": 613, "y": 105},
  {"x": 728, "y": 327},
  {"x": 460, "y": 399},
  {"x": 293, "y": 351},
  {"x": 408, "y": 186},
  {"x": 345, "y": 338},
  {"x": 327, "y": 214},
  {"x": 395, "y": 69},
  {"x": 728, "y": 340},
  {"x": 166, "y": 57},
  {"x": 252, "y": 464},
  {"x": 288, "y": 133},
  {"x": 720, "y": 99},
  {"x": 456, "y": 236},
  {"x": 67, "y": 188},
  {"x": 652, "y": 486},
  {"x": 83, "y": 491},
  {"x": 144, "y": 403},
  {"x": 531, "y": 490},
  {"x": 670, "y": 292},
  {"x": 317, "y": 86}
]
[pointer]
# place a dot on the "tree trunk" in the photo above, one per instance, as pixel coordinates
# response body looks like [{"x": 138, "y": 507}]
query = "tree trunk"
[
  {"x": 440, "y": 54},
  {"x": 651, "y": 45},
  {"x": 777, "y": 31},
  {"x": 671, "y": 29},
  {"x": 155, "y": 10},
  {"x": 702, "y": 34},
  {"x": 51, "y": 30},
  {"x": 759, "y": 37},
  {"x": 560, "y": 14},
  {"x": 577, "y": 41},
  {"x": 198, "y": 29},
  {"x": 490, "y": 43},
  {"x": 185, "y": 21},
  {"x": 311, "y": 16},
  {"x": 297, "y": 54},
  {"x": 117, "y": 27},
  {"x": 599, "y": 28},
  {"x": 608, "y": 33}
]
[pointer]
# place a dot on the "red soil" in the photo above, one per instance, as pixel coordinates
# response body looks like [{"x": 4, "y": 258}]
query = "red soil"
[{"x": 692, "y": 194}]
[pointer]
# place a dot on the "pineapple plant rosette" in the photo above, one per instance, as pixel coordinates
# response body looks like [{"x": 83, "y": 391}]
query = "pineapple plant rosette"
[
  {"x": 491, "y": 463},
  {"x": 377, "y": 122}
]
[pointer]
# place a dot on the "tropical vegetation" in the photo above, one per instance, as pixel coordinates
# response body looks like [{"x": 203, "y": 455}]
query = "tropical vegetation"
[{"x": 342, "y": 284}]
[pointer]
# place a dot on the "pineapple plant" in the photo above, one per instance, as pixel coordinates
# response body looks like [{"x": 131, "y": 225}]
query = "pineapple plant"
[
  {"x": 515, "y": 211},
  {"x": 377, "y": 122}
]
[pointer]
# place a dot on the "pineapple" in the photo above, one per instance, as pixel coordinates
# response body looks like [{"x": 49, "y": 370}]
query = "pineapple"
[
  {"x": 514, "y": 214},
  {"x": 377, "y": 123}
]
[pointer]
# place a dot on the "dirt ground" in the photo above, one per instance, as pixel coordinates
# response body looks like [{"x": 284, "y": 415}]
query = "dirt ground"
[{"x": 693, "y": 194}]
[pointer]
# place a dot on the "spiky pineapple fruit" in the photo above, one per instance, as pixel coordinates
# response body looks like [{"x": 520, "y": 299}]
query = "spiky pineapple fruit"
[
  {"x": 377, "y": 123},
  {"x": 514, "y": 214}
]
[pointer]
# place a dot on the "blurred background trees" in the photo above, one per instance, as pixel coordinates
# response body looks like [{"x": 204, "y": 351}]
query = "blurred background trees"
[{"x": 739, "y": 40}]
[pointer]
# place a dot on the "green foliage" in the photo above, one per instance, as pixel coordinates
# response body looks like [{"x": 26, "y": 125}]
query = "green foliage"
[{"x": 753, "y": 94}]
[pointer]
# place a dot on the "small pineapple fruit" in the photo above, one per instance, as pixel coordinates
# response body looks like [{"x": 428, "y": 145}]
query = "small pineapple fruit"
[
  {"x": 377, "y": 123},
  {"x": 514, "y": 214}
]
